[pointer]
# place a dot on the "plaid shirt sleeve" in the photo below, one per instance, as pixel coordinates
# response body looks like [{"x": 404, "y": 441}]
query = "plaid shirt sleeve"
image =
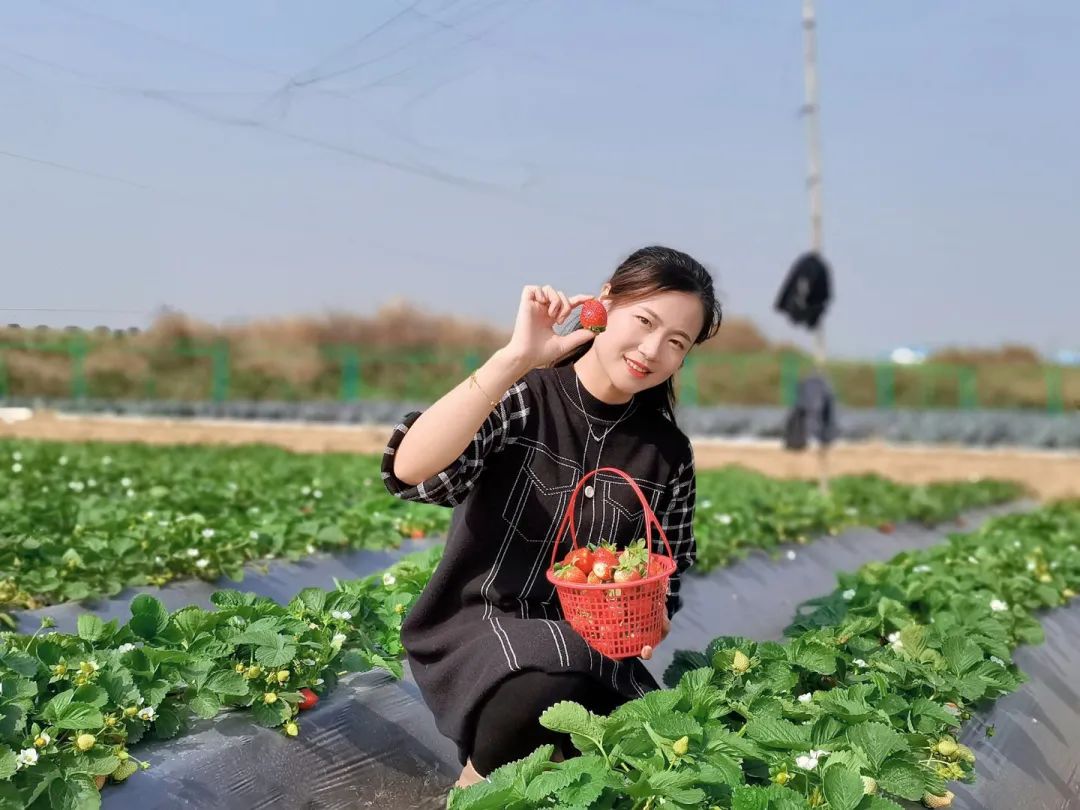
[
  {"x": 677, "y": 521},
  {"x": 451, "y": 486}
]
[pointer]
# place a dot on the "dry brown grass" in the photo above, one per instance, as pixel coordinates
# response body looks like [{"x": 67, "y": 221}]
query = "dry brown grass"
[{"x": 298, "y": 358}]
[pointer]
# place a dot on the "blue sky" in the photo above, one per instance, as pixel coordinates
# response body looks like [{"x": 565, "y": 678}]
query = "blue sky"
[{"x": 259, "y": 158}]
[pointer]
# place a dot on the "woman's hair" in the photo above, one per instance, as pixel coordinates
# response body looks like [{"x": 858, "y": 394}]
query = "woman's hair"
[{"x": 645, "y": 273}]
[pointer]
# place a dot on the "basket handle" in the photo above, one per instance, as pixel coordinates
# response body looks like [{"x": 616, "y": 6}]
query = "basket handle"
[{"x": 568, "y": 519}]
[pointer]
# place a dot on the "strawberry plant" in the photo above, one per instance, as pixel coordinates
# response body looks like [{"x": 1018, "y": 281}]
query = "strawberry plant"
[
  {"x": 81, "y": 520},
  {"x": 87, "y": 520},
  {"x": 71, "y": 705},
  {"x": 860, "y": 708}
]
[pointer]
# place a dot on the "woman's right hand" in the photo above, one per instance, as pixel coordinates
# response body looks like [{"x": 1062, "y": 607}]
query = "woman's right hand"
[{"x": 534, "y": 340}]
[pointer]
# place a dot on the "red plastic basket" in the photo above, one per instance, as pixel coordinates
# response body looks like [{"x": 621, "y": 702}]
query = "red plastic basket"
[{"x": 616, "y": 619}]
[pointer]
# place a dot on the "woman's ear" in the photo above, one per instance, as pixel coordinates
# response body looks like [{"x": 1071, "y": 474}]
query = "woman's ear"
[{"x": 605, "y": 296}]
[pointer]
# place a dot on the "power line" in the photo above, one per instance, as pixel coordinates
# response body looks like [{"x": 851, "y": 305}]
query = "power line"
[{"x": 75, "y": 170}]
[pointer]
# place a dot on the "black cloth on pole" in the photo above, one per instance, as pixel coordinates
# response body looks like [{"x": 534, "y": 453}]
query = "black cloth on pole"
[{"x": 807, "y": 290}]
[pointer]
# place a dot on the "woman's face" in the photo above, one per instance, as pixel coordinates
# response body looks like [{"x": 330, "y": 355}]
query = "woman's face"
[{"x": 646, "y": 341}]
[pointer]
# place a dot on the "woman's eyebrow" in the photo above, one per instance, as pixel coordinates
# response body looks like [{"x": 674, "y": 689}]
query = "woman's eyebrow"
[{"x": 658, "y": 319}]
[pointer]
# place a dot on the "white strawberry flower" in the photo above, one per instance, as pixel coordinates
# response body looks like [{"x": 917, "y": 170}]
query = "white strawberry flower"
[
  {"x": 125, "y": 482},
  {"x": 123, "y": 648},
  {"x": 1017, "y": 544},
  {"x": 997, "y": 660},
  {"x": 343, "y": 615},
  {"x": 388, "y": 579},
  {"x": 90, "y": 665},
  {"x": 849, "y": 594},
  {"x": 76, "y": 486},
  {"x": 106, "y": 461},
  {"x": 791, "y": 554},
  {"x": 319, "y": 681},
  {"x": 313, "y": 626},
  {"x": 147, "y": 714},
  {"x": 45, "y": 738},
  {"x": 1030, "y": 565},
  {"x": 253, "y": 535},
  {"x": 337, "y": 640},
  {"x": 16, "y": 456},
  {"x": 26, "y": 758},
  {"x": 16, "y": 468},
  {"x": 311, "y": 549},
  {"x": 998, "y": 606},
  {"x": 193, "y": 552},
  {"x": 90, "y": 482},
  {"x": 894, "y": 640},
  {"x": 725, "y": 519},
  {"x": 159, "y": 560},
  {"x": 972, "y": 559},
  {"x": 859, "y": 663},
  {"x": 207, "y": 533},
  {"x": 805, "y": 698},
  {"x": 807, "y": 762},
  {"x": 921, "y": 569},
  {"x": 131, "y": 493},
  {"x": 63, "y": 461},
  {"x": 202, "y": 562},
  {"x": 305, "y": 490},
  {"x": 140, "y": 701},
  {"x": 317, "y": 494}
]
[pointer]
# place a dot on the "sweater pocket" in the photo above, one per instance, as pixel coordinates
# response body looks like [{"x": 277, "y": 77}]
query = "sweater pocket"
[
  {"x": 623, "y": 516},
  {"x": 539, "y": 496}
]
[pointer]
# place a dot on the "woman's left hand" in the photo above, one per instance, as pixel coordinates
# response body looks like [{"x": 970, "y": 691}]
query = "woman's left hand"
[{"x": 647, "y": 651}]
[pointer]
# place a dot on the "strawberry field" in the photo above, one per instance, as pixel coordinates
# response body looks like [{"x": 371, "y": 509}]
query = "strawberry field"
[{"x": 870, "y": 685}]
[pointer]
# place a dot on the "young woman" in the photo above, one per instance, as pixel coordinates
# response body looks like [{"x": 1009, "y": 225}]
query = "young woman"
[{"x": 486, "y": 641}]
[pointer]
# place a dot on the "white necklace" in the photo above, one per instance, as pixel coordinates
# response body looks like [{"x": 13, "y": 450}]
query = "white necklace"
[{"x": 588, "y": 421}]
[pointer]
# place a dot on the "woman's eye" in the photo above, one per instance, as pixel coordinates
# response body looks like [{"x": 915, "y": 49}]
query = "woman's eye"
[
  {"x": 643, "y": 319},
  {"x": 678, "y": 344}
]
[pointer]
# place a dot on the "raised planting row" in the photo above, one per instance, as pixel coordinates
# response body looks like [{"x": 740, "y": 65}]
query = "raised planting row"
[
  {"x": 859, "y": 709},
  {"x": 72, "y": 704},
  {"x": 739, "y": 510},
  {"x": 88, "y": 520},
  {"x": 79, "y": 520}
]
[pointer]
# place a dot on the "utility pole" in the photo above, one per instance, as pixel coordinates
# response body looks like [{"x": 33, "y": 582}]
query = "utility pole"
[{"x": 811, "y": 111}]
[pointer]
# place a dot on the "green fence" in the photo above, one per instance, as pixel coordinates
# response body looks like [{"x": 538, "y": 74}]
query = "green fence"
[{"x": 81, "y": 368}]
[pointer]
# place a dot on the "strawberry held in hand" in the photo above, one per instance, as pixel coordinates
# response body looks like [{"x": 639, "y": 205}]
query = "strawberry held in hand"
[{"x": 593, "y": 316}]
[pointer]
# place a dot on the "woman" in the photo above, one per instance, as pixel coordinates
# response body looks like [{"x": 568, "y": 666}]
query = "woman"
[{"x": 486, "y": 641}]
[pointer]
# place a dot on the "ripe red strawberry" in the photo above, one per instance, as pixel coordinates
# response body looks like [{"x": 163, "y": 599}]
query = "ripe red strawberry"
[
  {"x": 606, "y": 554},
  {"x": 571, "y": 573},
  {"x": 581, "y": 558},
  {"x": 308, "y": 700},
  {"x": 593, "y": 316}
]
